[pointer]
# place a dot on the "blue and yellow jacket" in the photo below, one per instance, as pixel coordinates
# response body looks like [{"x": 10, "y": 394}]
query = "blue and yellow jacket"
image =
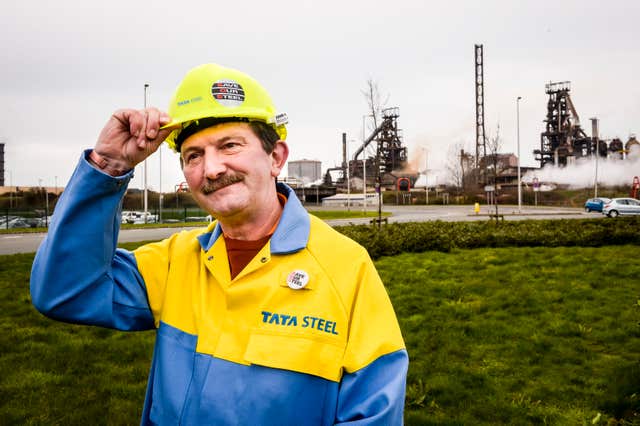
[{"x": 247, "y": 351}]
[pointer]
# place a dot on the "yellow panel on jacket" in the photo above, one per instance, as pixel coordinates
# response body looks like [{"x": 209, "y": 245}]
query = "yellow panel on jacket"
[{"x": 313, "y": 311}]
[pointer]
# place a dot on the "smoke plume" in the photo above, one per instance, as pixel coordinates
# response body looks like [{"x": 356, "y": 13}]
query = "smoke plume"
[{"x": 582, "y": 173}]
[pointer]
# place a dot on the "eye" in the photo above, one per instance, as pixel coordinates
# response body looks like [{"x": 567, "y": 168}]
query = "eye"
[
  {"x": 192, "y": 156},
  {"x": 229, "y": 145}
]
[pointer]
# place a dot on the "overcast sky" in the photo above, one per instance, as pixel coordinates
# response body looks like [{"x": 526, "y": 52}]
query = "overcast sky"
[{"x": 67, "y": 65}]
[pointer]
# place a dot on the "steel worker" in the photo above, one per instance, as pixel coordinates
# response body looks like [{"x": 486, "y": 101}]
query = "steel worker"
[{"x": 268, "y": 316}]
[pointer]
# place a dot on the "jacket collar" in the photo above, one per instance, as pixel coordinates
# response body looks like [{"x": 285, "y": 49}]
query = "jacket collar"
[{"x": 291, "y": 234}]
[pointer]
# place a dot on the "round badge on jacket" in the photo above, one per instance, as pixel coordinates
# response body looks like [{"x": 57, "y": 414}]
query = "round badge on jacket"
[{"x": 297, "y": 279}]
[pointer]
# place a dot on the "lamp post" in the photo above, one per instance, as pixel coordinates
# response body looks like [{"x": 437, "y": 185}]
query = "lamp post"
[
  {"x": 46, "y": 204},
  {"x": 594, "y": 135},
  {"x": 10, "y": 189},
  {"x": 146, "y": 86},
  {"x": 518, "y": 142},
  {"x": 426, "y": 180},
  {"x": 160, "y": 193},
  {"x": 364, "y": 168},
  {"x": 348, "y": 176}
]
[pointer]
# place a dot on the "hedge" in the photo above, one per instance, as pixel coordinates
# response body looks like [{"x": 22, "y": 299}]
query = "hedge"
[{"x": 414, "y": 237}]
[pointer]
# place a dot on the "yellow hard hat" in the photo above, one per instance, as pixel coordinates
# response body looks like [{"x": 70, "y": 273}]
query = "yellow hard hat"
[{"x": 213, "y": 91}]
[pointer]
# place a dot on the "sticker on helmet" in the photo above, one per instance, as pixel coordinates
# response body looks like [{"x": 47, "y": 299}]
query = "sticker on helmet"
[
  {"x": 227, "y": 93},
  {"x": 281, "y": 119}
]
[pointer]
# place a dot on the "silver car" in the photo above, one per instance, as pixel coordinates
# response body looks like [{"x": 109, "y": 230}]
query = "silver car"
[{"x": 621, "y": 206}]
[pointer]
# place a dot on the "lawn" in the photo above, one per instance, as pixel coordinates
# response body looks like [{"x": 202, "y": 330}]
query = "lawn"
[
  {"x": 495, "y": 336},
  {"x": 519, "y": 336}
]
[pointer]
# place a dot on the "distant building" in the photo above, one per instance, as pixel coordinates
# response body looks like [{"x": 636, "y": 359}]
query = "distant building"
[
  {"x": 507, "y": 168},
  {"x": 350, "y": 199},
  {"x": 307, "y": 171}
]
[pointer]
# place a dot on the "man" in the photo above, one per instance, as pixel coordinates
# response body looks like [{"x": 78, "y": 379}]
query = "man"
[{"x": 268, "y": 316}]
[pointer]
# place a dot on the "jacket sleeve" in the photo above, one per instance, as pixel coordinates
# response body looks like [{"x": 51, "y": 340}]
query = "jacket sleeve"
[
  {"x": 372, "y": 390},
  {"x": 78, "y": 275}
]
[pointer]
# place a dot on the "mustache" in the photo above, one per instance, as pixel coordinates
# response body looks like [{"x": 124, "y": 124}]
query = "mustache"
[{"x": 212, "y": 185}]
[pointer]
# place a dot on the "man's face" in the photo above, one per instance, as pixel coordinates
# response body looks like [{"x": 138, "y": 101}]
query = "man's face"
[{"x": 229, "y": 173}]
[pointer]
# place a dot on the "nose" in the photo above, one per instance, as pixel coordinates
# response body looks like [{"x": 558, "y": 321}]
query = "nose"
[{"x": 214, "y": 165}]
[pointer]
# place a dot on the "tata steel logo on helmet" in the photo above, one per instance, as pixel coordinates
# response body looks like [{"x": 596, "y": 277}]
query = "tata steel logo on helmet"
[{"x": 227, "y": 93}]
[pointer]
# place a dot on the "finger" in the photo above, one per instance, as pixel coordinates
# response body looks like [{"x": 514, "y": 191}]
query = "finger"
[
  {"x": 164, "y": 118},
  {"x": 153, "y": 123},
  {"x": 152, "y": 146},
  {"x": 122, "y": 117},
  {"x": 133, "y": 120},
  {"x": 163, "y": 134},
  {"x": 165, "y": 122},
  {"x": 142, "y": 132},
  {"x": 165, "y": 130}
]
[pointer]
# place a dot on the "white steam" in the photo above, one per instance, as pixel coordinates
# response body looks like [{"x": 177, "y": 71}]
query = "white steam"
[{"x": 582, "y": 173}]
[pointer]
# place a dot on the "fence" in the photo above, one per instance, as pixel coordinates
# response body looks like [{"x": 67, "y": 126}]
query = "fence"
[{"x": 40, "y": 218}]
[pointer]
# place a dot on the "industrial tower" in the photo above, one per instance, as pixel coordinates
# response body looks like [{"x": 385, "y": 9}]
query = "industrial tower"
[
  {"x": 563, "y": 139},
  {"x": 390, "y": 154},
  {"x": 481, "y": 141}
]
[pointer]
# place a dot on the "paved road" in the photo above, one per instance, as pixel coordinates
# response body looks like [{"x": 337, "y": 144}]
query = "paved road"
[
  {"x": 28, "y": 243},
  {"x": 456, "y": 213}
]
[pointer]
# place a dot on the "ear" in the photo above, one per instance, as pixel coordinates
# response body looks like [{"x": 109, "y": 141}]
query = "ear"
[{"x": 279, "y": 156}]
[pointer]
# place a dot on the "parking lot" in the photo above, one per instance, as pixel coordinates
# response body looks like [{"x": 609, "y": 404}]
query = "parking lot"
[{"x": 15, "y": 222}]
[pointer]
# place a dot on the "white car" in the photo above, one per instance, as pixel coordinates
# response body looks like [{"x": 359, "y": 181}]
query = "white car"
[
  {"x": 621, "y": 206},
  {"x": 138, "y": 217}
]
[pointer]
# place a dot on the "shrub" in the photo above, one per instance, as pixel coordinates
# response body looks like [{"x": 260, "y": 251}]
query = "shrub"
[{"x": 397, "y": 238}]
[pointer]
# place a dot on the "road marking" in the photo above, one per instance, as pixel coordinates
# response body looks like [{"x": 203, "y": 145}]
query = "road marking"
[{"x": 12, "y": 237}]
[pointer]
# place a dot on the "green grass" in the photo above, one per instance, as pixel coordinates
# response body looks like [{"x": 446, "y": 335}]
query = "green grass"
[
  {"x": 22, "y": 230},
  {"x": 495, "y": 336},
  {"x": 55, "y": 373},
  {"x": 519, "y": 336}
]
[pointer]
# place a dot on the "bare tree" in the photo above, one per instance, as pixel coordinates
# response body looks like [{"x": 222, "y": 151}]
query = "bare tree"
[
  {"x": 492, "y": 165},
  {"x": 459, "y": 165},
  {"x": 375, "y": 104},
  {"x": 374, "y": 100}
]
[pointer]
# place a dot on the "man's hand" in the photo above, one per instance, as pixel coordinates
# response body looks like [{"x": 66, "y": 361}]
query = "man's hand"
[{"x": 128, "y": 138}]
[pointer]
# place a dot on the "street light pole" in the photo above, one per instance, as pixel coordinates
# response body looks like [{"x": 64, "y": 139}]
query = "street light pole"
[
  {"x": 364, "y": 168},
  {"x": 10, "y": 189},
  {"x": 348, "y": 175},
  {"x": 160, "y": 193},
  {"x": 46, "y": 204},
  {"x": 46, "y": 207},
  {"x": 364, "y": 182},
  {"x": 146, "y": 86},
  {"x": 518, "y": 141},
  {"x": 426, "y": 179},
  {"x": 594, "y": 135}
]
